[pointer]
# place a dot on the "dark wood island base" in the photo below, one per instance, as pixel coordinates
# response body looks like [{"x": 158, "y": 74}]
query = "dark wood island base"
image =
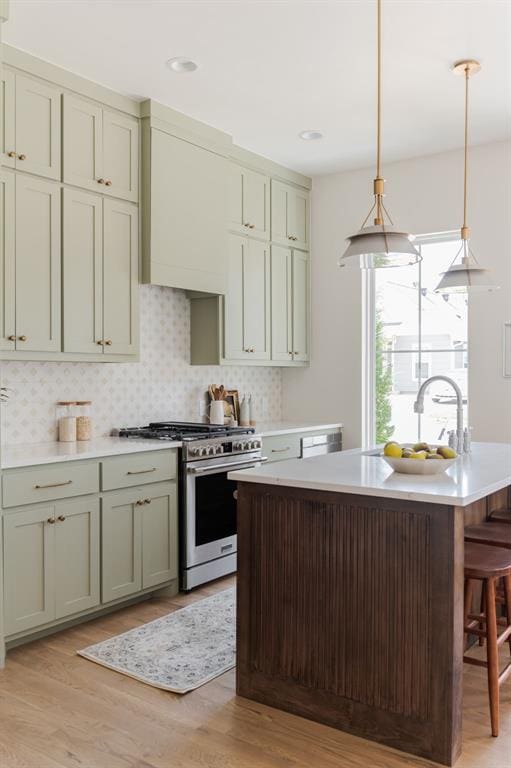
[{"x": 350, "y": 612}]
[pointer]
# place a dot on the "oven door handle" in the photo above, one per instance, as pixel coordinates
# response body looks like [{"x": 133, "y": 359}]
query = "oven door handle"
[{"x": 232, "y": 467}]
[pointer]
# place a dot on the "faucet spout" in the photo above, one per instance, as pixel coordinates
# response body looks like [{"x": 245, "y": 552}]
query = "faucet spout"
[{"x": 418, "y": 406}]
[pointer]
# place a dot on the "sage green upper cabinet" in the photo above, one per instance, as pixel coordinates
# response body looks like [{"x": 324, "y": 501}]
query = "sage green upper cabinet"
[
  {"x": 8, "y": 119},
  {"x": 289, "y": 215},
  {"x": 82, "y": 264},
  {"x": 100, "y": 280},
  {"x": 7, "y": 262},
  {"x": 281, "y": 304},
  {"x": 249, "y": 200},
  {"x": 120, "y": 155},
  {"x": 37, "y": 129},
  {"x": 82, "y": 143},
  {"x": 185, "y": 213},
  {"x": 38, "y": 290},
  {"x": 247, "y": 301},
  {"x": 301, "y": 304},
  {"x": 120, "y": 277},
  {"x": 101, "y": 149},
  {"x": 290, "y": 302}
]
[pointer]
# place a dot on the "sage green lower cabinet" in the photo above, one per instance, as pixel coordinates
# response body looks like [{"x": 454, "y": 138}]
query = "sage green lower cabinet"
[
  {"x": 159, "y": 537},
  {"x": 139, "y": 539},
  {"x": 121, "y": 544},
  {"x": 51, "y": 562}
]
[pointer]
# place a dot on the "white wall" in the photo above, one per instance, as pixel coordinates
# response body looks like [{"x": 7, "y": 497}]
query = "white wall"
[{"x": 424, "y": 195}]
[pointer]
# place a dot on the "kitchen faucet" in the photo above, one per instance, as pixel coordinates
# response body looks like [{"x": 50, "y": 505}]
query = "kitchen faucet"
[{"x": 418, "y": 406}]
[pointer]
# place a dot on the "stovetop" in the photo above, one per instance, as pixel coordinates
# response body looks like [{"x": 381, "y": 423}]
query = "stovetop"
[{"x": 183, "y": 431}]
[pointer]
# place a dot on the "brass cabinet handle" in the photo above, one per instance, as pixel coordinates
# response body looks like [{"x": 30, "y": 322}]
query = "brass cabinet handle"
[
  {"x": 108, "y": 182},
  {"x": 108, "y": 342},
  {"x": 139, "y": 502},
  {"x": 296, "y": 352},
  {"x": 140, "y": 471},
  {"x": 147, "y": 501},
  {"x": 51, "y": 520},
  {"x": 11, "y": 154},
  {"x": 61, "y": 518},
  {"x": 246, "y": 224},
  {"x": 22, "y": 338},
  {"x": 100, "y": 342},
  {"x": 251, "y": 226},
  {"x": 281, "y": 450},
  {"x": 22, "y": 157},
  {"x": 52, "y": 485},
  {"x": 11, "y": 338},
  {"x": 101, "y": 181}
]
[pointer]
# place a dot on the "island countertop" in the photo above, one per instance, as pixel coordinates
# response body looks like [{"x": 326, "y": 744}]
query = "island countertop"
[{"x": 485, "y": 470}]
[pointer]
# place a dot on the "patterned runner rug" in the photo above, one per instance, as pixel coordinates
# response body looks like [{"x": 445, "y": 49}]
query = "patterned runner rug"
[{"x": 178, "y": 652}]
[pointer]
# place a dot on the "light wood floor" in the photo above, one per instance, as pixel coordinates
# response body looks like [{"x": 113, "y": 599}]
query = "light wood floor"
[{"x": 59, "y": 710}]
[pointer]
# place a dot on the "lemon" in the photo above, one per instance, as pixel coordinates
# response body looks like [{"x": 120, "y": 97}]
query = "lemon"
[
  {"x": 393, "y": 450},
  {"x": 418, "y": 455}
]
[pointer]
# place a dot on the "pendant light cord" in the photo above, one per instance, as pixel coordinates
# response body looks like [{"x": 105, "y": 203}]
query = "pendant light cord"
[
  {"x": 378, "y": 87},
  {"x": 465, "y": 180}
]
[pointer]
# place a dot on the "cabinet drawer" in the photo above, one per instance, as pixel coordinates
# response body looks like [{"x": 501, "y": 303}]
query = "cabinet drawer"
[
  {"x": 281, "y": 447},
  {"x": 138, "y": 468},
  {"x": 48, "y": 482}
]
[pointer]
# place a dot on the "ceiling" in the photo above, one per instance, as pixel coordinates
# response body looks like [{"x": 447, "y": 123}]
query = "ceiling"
[{"x": 272, "y": 68}]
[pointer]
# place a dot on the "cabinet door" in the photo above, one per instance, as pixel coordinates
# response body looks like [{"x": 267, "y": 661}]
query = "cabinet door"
[
  {"x": 281, "y": 303},
  {"x": 234, "y": 344},
  {"x": 37, "y": 127},
  {"x": 120, "y": 155},
  {"x": 280, "y": 231},
  {"x": 29, "y": 568},
  {"x": 82, "y": 260},
  {"x": 301, "y": 299},
  {"x": 7, "y": 262},
  {"x": 298, "y": 217},
  {"x": 121, "y": 544},
  {"x": 7, "y": 119},
  {"x": 83, "y": 143},
  {"x": 159, "y": 538},
  {"x": 120, "y": 277},
  {"x": 256, "y": 300},
  {"x": 38, "y": 291},
  {"x": 249, "y": 202},
  {"x": 76, "y": 556}
]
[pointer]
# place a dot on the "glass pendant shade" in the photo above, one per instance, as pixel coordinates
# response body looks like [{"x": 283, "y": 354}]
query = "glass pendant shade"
[{"x": 377, "y": 247}]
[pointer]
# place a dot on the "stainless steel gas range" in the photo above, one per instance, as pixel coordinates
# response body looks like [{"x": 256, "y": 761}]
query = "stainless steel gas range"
[{"x": 207, "y": 509}]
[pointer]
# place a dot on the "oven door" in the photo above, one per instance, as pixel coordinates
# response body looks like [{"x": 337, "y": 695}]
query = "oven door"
[{"x": 210, "y": 511}]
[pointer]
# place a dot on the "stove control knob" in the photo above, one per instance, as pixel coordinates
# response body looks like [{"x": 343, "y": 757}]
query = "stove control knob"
[
  {"x": 193, "y": 451},
  {"x": 202, "y": 451},
  {"x": 236, "y": 446},
  {"x": 219, "y": 449}
]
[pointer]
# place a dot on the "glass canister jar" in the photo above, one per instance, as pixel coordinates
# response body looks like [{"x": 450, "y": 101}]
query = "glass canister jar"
[
  {"x": 66, "y": 421},
  {"x": 83, "y": 419}
]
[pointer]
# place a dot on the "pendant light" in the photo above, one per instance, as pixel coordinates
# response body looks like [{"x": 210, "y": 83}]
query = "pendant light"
[
  {"x": 465, "y": 275},
  {"x": 381, "y": 245}
]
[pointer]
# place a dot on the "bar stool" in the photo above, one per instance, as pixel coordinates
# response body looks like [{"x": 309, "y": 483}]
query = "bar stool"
[
  {"x": 500, "y": 516},
  {"x": 488, "y": 564}
]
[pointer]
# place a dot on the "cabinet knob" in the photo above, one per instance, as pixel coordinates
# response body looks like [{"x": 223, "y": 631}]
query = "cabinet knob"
[
  {"x": 147, "y": 501},
  {"x": 139, "y": 503},
  {"x": 22, "y": 157},
  {"x": 296, "y": 352},
  {"x": 11, "y": 338},
  {"x": 61, "y": 518},
  {"x": 100, "y": 342},
  {"x": 252, "y": 226},
  {"x": 252, "y": 349},
  {"x": 51, "y": 520},
  {"x": 22, "y": 338},
  {"x": 108, "y": 182},
  {"x": 101, "y": 181},
  {"x": 108, "y": 342},
  {"x": 11, "y": 154}
]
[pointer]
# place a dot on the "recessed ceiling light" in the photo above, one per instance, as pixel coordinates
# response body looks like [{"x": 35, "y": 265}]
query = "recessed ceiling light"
[
  {"x": 181, "y": 64},
  {"x": 310, "y": 135}
]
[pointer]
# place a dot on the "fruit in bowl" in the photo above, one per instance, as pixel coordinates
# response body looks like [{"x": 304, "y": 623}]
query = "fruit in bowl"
[{"x": 419, "y": 458}]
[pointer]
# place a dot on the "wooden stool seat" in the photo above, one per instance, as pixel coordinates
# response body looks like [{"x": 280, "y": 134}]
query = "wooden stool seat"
[
  {"x": 496, "y": 535},
  {"x": 500, "y": 516},
  {"x": 484, "y": 562},
  {"x": 488, "y": 564}
]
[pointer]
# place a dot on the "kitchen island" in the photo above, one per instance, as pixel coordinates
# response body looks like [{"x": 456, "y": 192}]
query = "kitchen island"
[{"x": 350, "y": 592}]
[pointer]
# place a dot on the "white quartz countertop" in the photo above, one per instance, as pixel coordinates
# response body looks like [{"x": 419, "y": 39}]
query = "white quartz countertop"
[
  {"x": 475, "y": 475},
  {"x": 14, "y": 456},
  {"x": 269, "y": 428}
]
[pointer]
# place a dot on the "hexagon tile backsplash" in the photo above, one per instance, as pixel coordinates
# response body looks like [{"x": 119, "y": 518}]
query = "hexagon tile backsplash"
[{"x": 163, "y": 385}]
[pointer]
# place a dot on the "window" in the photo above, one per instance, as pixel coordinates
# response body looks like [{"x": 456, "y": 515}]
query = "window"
[{"x": 414, "y": 333}]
